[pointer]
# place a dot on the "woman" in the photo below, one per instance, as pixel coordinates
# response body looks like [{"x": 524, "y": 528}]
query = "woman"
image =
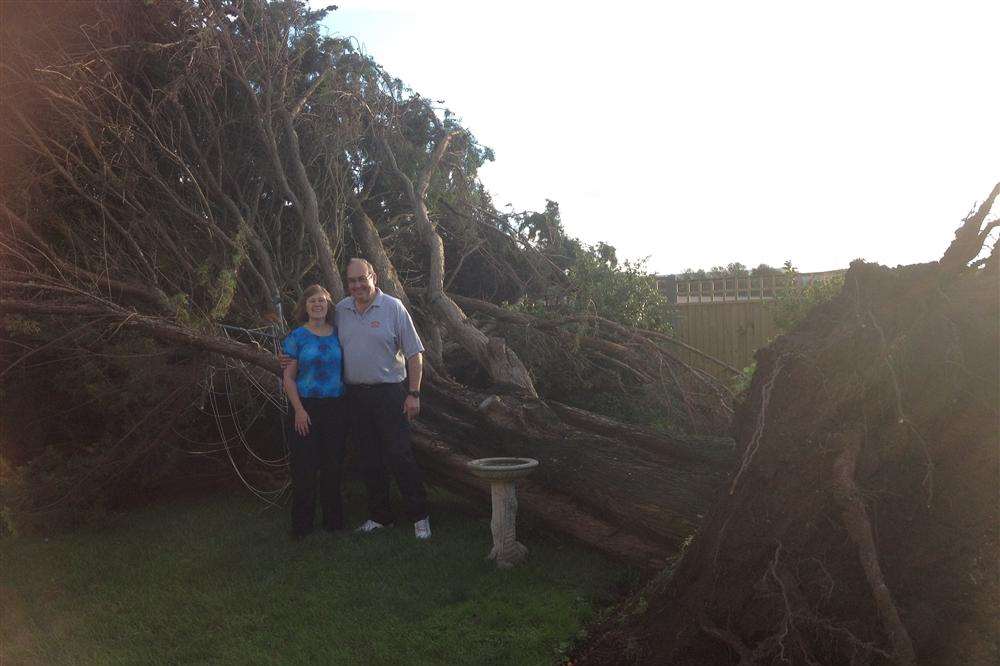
[{"x": 313, "y": 381}]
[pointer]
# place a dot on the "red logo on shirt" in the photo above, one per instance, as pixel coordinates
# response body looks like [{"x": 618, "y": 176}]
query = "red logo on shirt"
[{"x": 376, "y": 324}]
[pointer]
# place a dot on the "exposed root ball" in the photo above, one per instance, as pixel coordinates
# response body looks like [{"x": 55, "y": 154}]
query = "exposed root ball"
[{"x": 862, "y": 524}]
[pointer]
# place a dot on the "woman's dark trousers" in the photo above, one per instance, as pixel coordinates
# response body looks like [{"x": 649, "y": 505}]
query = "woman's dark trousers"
[{"x": 315, "y": 463}]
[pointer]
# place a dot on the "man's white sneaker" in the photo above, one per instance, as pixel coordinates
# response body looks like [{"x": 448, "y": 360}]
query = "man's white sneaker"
[
  {"x": 422, "y": 528},
  {"x": 369, "y": 526}
]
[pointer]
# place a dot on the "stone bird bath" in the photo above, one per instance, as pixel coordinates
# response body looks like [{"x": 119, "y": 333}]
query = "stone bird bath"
[{"x": 502, "y": 473}]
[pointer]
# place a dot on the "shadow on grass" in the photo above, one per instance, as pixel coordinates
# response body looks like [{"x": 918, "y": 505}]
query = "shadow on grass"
[{"x": 215, "y": 580}]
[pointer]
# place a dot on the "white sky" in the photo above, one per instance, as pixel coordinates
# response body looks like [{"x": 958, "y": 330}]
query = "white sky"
[{"x": 701, "y": 133}]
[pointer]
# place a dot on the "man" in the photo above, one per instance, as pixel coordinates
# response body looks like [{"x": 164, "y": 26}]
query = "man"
[{"x": 383, "y": 366}]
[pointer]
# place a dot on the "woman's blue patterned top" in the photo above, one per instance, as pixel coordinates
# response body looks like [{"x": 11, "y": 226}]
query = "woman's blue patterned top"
[{"x": 320, "y": 371}]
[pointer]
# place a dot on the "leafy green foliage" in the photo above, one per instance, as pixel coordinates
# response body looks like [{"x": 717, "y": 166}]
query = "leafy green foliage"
[
  {"x": 598, "y": 284},
  {"x": 741, "y": 382},
  {"x": 794, "y": 303},
  {"x": 18, "y": 325},
  {"x": 592, "y": 284},
  {"x": 544, "y": 228},
  {"x": 626, "y": 293}
]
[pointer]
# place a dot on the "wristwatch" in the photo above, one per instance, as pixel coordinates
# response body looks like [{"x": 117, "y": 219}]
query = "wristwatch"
[{"x": 413, "y": 393}]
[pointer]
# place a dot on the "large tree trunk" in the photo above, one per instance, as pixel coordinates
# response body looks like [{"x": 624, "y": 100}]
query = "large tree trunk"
[
  {"x": 371, "y": 242},
  {"x": 643, "y": 485},
  {"x": 543, "y": 506},
  {"x": 498, "y": 359}
]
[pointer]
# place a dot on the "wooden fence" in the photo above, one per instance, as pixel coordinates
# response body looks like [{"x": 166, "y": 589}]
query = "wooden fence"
[
  {"x": 728, "y": 318},
  {"x": 730, "y": 331}
]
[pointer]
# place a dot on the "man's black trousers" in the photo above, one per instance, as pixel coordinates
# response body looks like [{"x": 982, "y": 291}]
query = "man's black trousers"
[
  {"x": 316, "y": 461},
  {"x": 383, "y": 436}
]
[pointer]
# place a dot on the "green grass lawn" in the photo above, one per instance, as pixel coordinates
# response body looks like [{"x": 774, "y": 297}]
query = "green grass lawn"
[{"x": 215, "y": 580}]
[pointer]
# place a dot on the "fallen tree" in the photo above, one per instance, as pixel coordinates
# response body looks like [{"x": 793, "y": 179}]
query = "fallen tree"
[
  {"x": 861, "y": 523},
  {"x": 180, "y": 170}
]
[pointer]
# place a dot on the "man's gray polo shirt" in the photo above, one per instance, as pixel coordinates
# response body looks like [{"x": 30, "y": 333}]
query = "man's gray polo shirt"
[{"x": 376, "y": 342}]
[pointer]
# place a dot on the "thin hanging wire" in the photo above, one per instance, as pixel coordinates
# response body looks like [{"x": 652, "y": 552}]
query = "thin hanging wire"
[
  {"x": 268, "y": 337},
  {"x": 270, "y": 496}
]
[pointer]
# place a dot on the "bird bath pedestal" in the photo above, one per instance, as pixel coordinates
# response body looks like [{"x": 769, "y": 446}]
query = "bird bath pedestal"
[{"x": 501, "y": 473}]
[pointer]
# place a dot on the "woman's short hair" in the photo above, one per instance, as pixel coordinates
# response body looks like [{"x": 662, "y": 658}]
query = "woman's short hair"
[{"x": 302, "y": 315}]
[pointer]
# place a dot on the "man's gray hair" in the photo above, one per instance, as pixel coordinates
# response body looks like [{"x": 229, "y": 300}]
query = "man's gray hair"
[{"x": 364, "y": 262}]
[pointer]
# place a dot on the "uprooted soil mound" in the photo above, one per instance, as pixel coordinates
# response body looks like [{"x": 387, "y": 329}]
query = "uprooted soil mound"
[{"x": 860, "y": 525}]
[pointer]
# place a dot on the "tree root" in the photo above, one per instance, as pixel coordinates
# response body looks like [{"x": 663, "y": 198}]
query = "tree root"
[
  {"x": 859, "y": 528},
  {"x": 747, "y": 656},
  {"x": 765, "y": 397}
]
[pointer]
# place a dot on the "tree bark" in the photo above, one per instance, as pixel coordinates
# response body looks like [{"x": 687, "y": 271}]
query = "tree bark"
[
  {"x": 653, "y": 487},
  {"x": 970, "y": 237},
  {"x": 371, "y": 242},
  {"x": 543, "y": 506},
  {"x": 159, "y": 328},
  {"x": 310, "y": 213},
  {"x": 502, "y": 364}
]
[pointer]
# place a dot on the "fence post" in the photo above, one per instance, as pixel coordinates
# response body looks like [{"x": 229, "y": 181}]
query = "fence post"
[{"x": 670, "y": 287}]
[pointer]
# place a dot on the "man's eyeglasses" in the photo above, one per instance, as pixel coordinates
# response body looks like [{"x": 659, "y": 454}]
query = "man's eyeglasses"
[{"x": 359, "y": 280}]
